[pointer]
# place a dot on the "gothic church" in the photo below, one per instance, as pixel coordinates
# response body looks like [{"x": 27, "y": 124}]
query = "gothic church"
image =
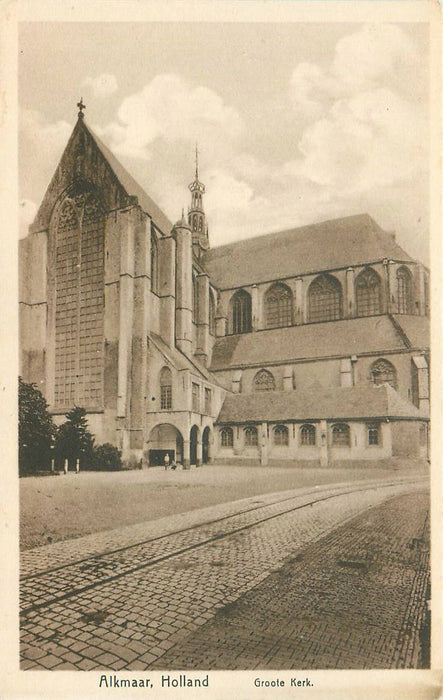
[{"x": 309, "y": 346}]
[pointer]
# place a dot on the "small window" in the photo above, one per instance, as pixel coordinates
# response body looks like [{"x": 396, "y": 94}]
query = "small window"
[
  {"x": 241, "y": 312},
  {"x": 373, "y": 434},
  {"x": 195, "y": 398},
  {"x": 251, "y": 436},
  {"x": 226, "y": 437},
  {"x": 383, "y": 372},
  {"x": 264, "y": 381},
  {"x": 341, "y": 436},
  {"x": 208, "y": 401},
  {"x": 404, "y": 290},
  {"x": 165, "y": 389},
  {"x": 154, "y": 264},
  {"x": 281, "y": 435},
  {"x": 307, "y": 434}
]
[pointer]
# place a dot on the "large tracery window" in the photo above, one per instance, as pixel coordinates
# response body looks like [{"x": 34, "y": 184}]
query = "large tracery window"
[
  {"x": 307, "y": 434},
  {"x": 325, "y": 299},
  {"x": 281, "y": 435},
  {"x": 383, "y": 372},
  {"x": 404, "y": 291},
  {"x": 165, "y": 389},
  {"x": 241, "y": 312},
  {"x": 226, "y": 437},
  {"x": 251, "y": 436},
  {"x": 264, "y": 381},
  {"x": 278, "y": 306},
  {"x": 79, "y": 303},
  {"x": 341, "y": 435},
  {"x": 368, "y": 293}
]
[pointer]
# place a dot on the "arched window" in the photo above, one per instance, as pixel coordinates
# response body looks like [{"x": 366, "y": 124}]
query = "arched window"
[
  {"x": 241, "y": 313},
  {"x": 264, "y": 381},
  {"x": 211, "y": 314},
  {"x": 194, "y": 222},
  {"x": 368, "y": 293},
  {"x": 373, "y": 433},
  {"x": 281, "y": 435},
  {"x": 154, "y": 264},
  {"x": 341, "y": 435},
  {"x": 165, "y": 389},
  {"x": 383, "y": 372},
  {"x": 307, "y": 434},
  {"x": 278, "y": 306},
  {"x": 325, "y": 299},
  {"x": 194, "y": 299},
  {"x": 404, "y": 290},
  {"x": 251, "y": 436},
  {"x": 226, "y": 437}
]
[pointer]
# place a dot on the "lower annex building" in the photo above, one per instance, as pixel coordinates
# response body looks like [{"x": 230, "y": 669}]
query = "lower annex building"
[{"x": 310, "y": 345}]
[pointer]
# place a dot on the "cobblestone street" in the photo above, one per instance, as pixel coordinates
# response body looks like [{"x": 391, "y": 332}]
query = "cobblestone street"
[{"x": 325, "y": 577}]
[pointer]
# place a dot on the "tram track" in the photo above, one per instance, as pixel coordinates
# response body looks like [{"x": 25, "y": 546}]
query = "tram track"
[{"x": 47, "y": 587}]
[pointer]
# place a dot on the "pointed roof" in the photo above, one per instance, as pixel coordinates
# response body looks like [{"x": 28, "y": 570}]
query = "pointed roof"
[
  {"x": 87, "y": 158},
  {"x": 327, "y": 245},
  {"x": 357, "y": 402}
]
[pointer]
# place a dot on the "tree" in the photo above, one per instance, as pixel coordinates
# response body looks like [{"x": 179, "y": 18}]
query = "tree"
[
  {"x": 107, "y": 457},
  {"x": 73, "y": 440},
  {"x": 35, "y": 429}
]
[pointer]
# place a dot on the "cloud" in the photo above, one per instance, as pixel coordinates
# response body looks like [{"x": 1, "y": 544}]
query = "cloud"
[
  {"x": 27, "y": 212},
  {"x": 102, "y": 85},
  {"x": 172, "y": 109},
  {"x": 366, "y": 128}
]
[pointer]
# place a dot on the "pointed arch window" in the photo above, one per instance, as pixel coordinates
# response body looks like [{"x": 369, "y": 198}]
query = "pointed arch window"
[
  {"x": 278, "y": 306},
  {"x": 165, "y": 389},
  {"x": 341, "y": 435},
  {"x": 368, "y": 293},
  {"x": 383, "y": 372},
  {"x": 194, "y": 299},
  {"x": 373, "y": 433},
  {"x": 264, "y": 381},
  {"x": 241, "y": 312},
  {"x": 211, "y": 314},
  {"x": 404, "y": 290},
  {"x": 154, "y": 264},
  {"x": 307, "y": 434},
  {"x": 226, "y": 437},
  {"x": 325, "y": 299},
  {"x": 281, "y": 435},
  {"x": 251, "y": 436}
]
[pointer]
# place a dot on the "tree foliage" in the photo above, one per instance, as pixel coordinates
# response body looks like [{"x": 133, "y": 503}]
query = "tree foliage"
[
  {"x": 35, "y": 430},
  {"x": 107, "y": 457},
  {"x": 73, "y": 440}
]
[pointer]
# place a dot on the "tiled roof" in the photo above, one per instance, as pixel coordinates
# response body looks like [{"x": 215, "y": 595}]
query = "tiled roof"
[
  {"x": 178, "y": 360},
  {"x": 317, "y": 403},
  {"x": 312, "y": 340},
  {"x": 416, "y": 329},
  {"x": 132, "y": 187},
  {"x": 324, "y": 246}
]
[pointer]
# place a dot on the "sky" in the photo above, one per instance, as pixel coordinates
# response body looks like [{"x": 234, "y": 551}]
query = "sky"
[{"x": 296, "y": 123}]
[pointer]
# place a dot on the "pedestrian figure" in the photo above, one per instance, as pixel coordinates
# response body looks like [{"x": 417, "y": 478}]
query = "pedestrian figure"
[
  {"x": 173, "y": 465},
  {"x": 166, "y": 461}
]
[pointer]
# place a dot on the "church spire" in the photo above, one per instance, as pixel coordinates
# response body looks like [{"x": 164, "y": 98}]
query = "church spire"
[{"x": 196, "y": 213}]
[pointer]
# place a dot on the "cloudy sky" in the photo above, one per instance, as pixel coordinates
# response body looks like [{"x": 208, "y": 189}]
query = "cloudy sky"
[{"x": 296, "y": 123}]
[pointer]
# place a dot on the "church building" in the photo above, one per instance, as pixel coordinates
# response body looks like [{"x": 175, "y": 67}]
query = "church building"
[{"x": 305, "y": 346}]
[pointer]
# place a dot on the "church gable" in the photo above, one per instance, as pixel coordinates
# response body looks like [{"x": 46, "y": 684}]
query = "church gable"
[{"x": 81, "y": 162}]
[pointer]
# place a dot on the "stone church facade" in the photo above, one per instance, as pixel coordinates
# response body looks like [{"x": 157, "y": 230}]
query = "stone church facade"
[{"x": 309, "y": 345}]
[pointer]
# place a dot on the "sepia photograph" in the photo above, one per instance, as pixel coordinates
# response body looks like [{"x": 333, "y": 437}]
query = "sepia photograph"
[{"x": 224, "y": 350}]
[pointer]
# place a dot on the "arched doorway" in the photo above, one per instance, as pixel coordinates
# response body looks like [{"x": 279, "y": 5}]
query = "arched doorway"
[
  {"x": 205, "y": 445},
  {"x": 193, "y": 445},
  {"x": 165, "y": 439}
]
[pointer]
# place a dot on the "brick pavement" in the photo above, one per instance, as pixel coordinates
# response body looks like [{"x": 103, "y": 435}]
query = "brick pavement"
[
  {"x": 355, "y": 599},
  {"x": 133, "y": 621}
]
